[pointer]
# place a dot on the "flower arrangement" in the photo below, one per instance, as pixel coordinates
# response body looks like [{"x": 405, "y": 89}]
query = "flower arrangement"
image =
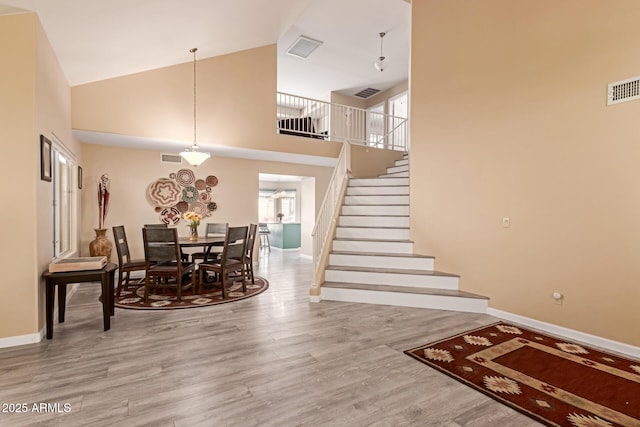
[{"x": 194, "y": 219}]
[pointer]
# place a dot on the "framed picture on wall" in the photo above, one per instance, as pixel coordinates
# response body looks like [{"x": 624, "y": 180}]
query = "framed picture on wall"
[
  {"x": 79, "y": 177},
  {"x": 45, "y": 158}
]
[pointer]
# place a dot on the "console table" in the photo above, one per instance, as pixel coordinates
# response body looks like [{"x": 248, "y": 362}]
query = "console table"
[{"x": 105, "y": 276}]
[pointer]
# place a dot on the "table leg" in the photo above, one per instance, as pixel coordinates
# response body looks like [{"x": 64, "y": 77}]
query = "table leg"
[
  {"x": 112, "y": 296},
  {"x": 62, "y": 301},
  {"x": 49, "y": 292},
  {"x": 106, "y": 301}
]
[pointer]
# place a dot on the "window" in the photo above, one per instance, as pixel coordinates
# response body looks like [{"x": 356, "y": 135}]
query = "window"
[
  {"x": 398, "y": 112},
  {"x": 61, "y": 204},
  {"x": 375, "y": 126},
  {"x": 273, "y": 202}
]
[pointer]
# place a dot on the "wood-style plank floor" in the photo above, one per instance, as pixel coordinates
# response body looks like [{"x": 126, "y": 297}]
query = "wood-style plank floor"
[{"x": 272, "y": 360}]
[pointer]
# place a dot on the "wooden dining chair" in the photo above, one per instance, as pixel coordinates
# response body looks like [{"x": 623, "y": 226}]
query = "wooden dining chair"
[
  {"x": 183, "y": 256},
  {"x": 212, "y": 228},
  {"x": 231, "y": 260},
  {"x": 248, "y": 257},
  {"x": 163, "y": 261},
  {"x": 126, "y": 265}
]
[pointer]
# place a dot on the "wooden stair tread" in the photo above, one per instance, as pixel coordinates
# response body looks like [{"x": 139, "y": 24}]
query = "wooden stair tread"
[
  {"x": 380, "y": 254},
  {"x": 372, "y": 227},
  {"x": 360, "y": 239},
  {"x": 391, "y": 270},
  {"x": 395, "y": 216},
  {"x": 403, "y": 289}
]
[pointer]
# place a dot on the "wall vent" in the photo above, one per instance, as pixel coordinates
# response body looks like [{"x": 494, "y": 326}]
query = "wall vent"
[
  {"x": 170, "y": 158},
  {"x": 366, "y": 93},
  {"x": 623, "y": 91},
  {"x": 303, "y": 47}
]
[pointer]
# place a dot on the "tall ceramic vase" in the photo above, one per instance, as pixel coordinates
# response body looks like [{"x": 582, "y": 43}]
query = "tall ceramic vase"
[{"x": 101, "y": 246}]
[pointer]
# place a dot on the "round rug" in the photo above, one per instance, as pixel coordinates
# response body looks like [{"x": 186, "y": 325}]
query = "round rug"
[{"x": 164, "y": 298}]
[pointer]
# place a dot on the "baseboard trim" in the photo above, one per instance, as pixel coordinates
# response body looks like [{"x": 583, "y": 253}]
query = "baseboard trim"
[
  {"x": 306, "y": 256},
  {"x": 22, "y": 339},
  {"x": 594, "y": 340},
  {"x": 38, "y": 336}
]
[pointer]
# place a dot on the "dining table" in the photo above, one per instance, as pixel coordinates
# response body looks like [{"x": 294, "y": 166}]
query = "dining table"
[{"x": 206, "y": 242}]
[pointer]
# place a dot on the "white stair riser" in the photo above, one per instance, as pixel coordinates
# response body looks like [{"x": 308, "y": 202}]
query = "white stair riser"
[
  {"x": 402, "y": 162},
  {"x": 377, "y": 278},
  {"x": 372, "y": 233},
  {"x": 373, "y": 261},
  {"x": 395, "y": 175},
  {"x": 374, "y": 221},
  {"x": 375, "y": 210},
  {"x": 438, "y": 302},
  {"x": 401, "y": 168},
  {"x": 375, "y": 246},
  {"x": 376, "y": 200},
  {"x": 370, "y": 191},
  {"x": 368, "y": 182}
]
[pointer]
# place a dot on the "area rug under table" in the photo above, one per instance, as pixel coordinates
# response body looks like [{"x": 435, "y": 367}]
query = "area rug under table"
[
  {"x": 552, "y": 380},
  {"x": 166, "y": 299}
]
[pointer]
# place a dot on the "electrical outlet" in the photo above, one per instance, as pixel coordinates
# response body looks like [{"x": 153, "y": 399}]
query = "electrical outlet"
[{"x": 506, "y": 222}]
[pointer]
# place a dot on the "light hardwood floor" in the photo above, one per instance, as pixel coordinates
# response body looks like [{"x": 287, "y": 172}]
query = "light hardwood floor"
[{"x": 272, "y": 360}]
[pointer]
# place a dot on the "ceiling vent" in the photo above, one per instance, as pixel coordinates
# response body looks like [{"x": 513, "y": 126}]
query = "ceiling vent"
[
  {"x": 623, "y": 91},
  {"x": 366, "y": 93},
  {"x": 170, "y": 158},
  {"x": 303, "y": 47}
]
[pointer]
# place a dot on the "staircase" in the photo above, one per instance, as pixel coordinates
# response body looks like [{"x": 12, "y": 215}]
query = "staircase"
[{"x": 372, "y": 259}]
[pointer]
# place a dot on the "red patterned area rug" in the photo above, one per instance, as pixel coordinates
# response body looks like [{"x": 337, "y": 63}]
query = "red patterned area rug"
[
  {"x": 165, "y": 298},
  {"x": 556, "y": 382}
]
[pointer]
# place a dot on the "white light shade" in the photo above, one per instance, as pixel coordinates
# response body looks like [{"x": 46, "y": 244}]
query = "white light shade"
[
  {"x": 379, "y": 64},
  {"x": 193, "y": 156}
]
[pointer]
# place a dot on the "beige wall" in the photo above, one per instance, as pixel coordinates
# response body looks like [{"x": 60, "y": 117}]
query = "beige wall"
[
  {"x": 132, "y": 170},
  {"x": 236, "y": 104},
  {"x": 509, "y": 119},
  {"x": 369, "y": 162},
  {"x": 34, "y": 100}
]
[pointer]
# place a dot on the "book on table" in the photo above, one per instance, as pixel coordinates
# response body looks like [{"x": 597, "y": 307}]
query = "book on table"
[{"x": 78, "y": 264}]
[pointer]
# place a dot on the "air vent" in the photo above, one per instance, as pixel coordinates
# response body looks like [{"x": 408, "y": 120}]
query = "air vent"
[
  {"x": 623, "y": 91},
  {"x": 366, "y": 93},
  {"x": 303, "y": 47},
  {"x": 170, "y": 158}
]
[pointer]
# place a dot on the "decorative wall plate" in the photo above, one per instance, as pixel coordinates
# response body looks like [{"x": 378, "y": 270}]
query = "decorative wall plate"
[
  {"x": 172, "y": 175},
  {"x": 157, "y": 209},
  {"x": 164, "y": 192},
  {"x": 185, "y": 177},
  {"x": 208, "y": 189},
  {"x": 170, "y": 216},
  {"x": 189, "y": 194},
  {"x": 182, "y": 206},
  {"x": 212, "y": 180},
  {"x": 199, "y": 207},
  {"x": 212, "y": 206},
  {"x": 200, "y": 184},
  {"x": 205, "y": 197}
]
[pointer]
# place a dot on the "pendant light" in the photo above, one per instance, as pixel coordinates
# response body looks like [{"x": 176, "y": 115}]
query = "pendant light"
[
  {"x": 193, "y": 155},
  {"x": 379, "y": 64}
]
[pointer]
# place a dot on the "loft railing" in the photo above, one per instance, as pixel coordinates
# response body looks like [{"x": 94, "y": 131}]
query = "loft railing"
[
  {"x": 312, "y": 118},
  {"x": 326, "y": 220}
]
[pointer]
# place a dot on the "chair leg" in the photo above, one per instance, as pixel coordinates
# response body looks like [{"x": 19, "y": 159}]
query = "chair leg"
[
  {"x": 268, "y": 243},
  {"x": 119, "y": 282}
]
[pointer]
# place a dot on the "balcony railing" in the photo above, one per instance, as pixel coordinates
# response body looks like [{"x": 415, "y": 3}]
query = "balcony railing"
[{"x": 311, "y": 118}]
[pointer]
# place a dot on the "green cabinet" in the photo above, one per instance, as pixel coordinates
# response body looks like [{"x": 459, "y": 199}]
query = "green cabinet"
[{"x": 285, "y": 235}]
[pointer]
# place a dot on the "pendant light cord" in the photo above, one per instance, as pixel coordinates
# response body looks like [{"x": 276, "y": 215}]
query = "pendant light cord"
[
  {"x": 194, "y": 50},
  {"x": 381, "y": 41}
]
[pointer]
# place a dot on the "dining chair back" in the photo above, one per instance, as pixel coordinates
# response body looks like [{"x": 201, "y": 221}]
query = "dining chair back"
[
  {"x": 248, "y": 257},
  {"x": 163, "y": 260},
  {"x": 159, "y": 225},
  {"x": 212, "y": 228},
  {"x": 231, "y": 260},
  {"x": 126, "y": 265}
]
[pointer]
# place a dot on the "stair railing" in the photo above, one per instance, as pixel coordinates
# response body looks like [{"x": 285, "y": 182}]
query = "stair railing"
[
  {"x": 326, "y": 222},
  {"x": 312, "y": 118}
]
